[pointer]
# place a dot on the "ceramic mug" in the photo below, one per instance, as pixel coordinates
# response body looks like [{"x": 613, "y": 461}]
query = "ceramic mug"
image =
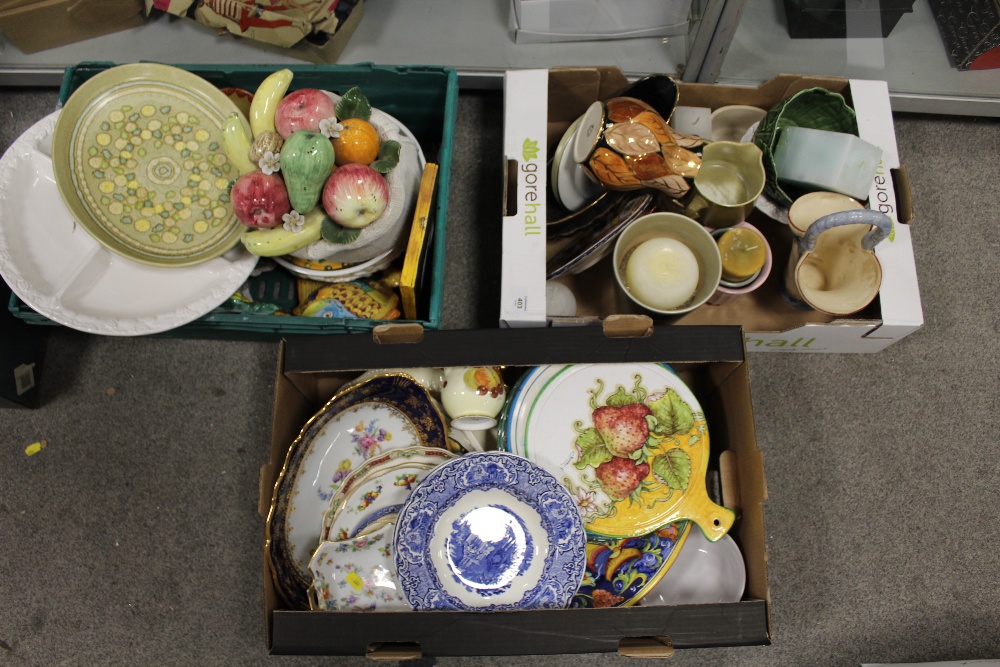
[
  {"x": 473, "y": 396},
  {"x": 727, "y": 186},
  {"x": 624, "y": 144},
  {"x": 833, "y": 267},
  {"x": 730, "y": 123},
  {"x": 667, "y": 263},
  {"x": 730, "y": 289}
]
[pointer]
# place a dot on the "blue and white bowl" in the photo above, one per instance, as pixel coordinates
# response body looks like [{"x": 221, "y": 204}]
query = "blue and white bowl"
[{"x": 489, "y": 531}]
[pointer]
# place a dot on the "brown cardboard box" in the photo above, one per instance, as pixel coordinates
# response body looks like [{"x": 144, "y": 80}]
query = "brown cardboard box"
[
  {"x": 771, "y": 324},
  {"x": 35, "y": 26},
  {"x": 319, "y": 47},
  {"x": 710, "y": 359}
]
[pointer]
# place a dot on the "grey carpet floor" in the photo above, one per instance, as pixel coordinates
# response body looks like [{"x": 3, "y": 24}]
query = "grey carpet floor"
[{"x": 134, "y": 539}]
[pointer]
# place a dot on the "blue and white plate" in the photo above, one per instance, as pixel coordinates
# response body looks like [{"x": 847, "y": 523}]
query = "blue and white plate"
[{"x": 489, "y": 531}]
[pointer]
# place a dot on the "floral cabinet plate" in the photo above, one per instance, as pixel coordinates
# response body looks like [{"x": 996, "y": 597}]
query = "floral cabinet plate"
[
  {"x": 378, "y": 488},
  {"x": 356, "y": 575},
  {"x": 629, "y": 441},
  {"x": 365, "y": 419}
]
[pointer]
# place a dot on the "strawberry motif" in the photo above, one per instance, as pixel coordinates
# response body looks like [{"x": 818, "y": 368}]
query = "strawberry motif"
[
  {"x": 623, "y": 429},
  {"x": 621, "y": 476}
]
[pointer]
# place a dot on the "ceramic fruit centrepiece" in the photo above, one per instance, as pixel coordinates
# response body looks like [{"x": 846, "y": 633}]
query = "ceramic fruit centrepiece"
[{"x": 322, "y": 176}]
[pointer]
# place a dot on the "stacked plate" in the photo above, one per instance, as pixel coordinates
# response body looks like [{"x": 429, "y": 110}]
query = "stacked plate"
[
  {"x": 372, "y": 512},
  {"x": 630, "y": 443},
  {"x": 116, "y": 208},
  {"x": 601, "y": 487}
]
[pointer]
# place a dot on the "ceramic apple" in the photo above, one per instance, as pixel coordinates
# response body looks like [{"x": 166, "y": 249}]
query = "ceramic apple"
[
  {"x": 259, "y": 199},
  {"x": 355, "y": 195},
  {"x": 302, "y": 110}
]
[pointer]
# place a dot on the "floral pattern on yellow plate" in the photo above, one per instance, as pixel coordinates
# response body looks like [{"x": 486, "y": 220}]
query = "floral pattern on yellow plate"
[{"x": 139, "y": 161}]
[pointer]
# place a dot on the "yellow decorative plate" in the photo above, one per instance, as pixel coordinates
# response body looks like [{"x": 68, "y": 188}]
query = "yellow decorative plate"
[
  {"x": 629, "y": 441},
  {"x": 139, "y": 161}
]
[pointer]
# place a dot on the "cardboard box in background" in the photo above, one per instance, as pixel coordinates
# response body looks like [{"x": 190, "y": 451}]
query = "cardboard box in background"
[
  {"x": 712, "y": 362},
  {"x": 38, "y": 25},
  {"x": 769, "y": 323},
  {"x": 539, "y": 21},
  {"x": 330, "y": 34}
]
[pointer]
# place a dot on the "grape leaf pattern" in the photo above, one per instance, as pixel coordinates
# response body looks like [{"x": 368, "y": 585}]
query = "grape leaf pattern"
[
  {"x": 673, "y": 415},
  {"x": 649, "y": 166},
  {"x": 655, "y": 123},
  {"x": 673, "y": 468},
  {"x": 621, "y": 109},
  {"x": 612, "y": 170},
  {"x": 673, "y": 185},
  {"x": 593, "y": 451},
  {"x": 682, "y": 161},
  {"x": 631, "y": 138},
  {"x": 335, "y": 233}
]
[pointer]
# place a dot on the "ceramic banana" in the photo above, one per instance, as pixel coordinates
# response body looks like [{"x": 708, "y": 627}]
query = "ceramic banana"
[
  {"x": 237, "y": 143},
  {"x": 266, "y": 99},
  {"x": 280, "y": 241}
]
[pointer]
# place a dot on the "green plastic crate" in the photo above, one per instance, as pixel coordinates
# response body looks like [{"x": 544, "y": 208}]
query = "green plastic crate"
[{"x": 424, "y": 98}]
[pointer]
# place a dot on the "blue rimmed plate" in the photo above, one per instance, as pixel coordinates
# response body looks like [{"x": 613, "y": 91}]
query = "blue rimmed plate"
[
  {"x": 362, "y": 421},
  {"x": 489, "y": 531}
]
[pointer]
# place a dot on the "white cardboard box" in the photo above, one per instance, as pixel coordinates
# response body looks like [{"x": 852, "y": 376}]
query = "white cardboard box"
[
  {"x": 540, "y": 21},
  {"x": 769, "y": 323}
]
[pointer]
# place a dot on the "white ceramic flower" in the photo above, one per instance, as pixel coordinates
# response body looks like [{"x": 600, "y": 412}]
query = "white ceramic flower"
[
  {"x": 293, "y": 222},
  {"x": 270, "y": 162},
  {"x": 330, "y": 128}
]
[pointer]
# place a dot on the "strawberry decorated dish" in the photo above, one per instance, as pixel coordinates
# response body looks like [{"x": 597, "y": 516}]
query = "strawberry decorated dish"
[{"x": 628, "y": 441}]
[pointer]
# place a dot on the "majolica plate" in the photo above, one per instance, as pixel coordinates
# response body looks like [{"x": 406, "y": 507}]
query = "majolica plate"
[
  {"x": 378, "y": 487},
  {"x": 629, "y": 441},
  {"x": 489, "y": 531},
  {"x": 362, "y": 421},
  {"x": 61, "y": 272},
  {"x": 139, "y": 161},
  {"x": 621, "y": 572},
  {"x": 356, "y": 575}
]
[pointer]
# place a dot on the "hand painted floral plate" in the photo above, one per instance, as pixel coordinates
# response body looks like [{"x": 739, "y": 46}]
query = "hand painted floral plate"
[
  {"x": 378, "y": 487},
  {"x": 629, "y": 441},
  {"x": 356, "y": 575},
  {"x": 621, "y": 572},
  {"x": 489, "y": 531},
  {"x": 61, "y": 272},
  {"x": 139, "y": 161},
  {"x": 365, "y": 419}
]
